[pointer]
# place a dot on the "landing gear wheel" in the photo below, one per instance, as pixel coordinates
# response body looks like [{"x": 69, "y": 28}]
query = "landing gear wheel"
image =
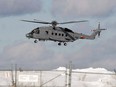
[
  {"x": 65, "y": 44},
  {"x": 59, "y": 44},
  {"x": 35, "y": 41}
]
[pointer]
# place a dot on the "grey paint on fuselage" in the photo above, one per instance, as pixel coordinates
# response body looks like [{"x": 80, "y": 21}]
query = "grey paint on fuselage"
[
  {"x": 48, "y": 33},
  {"x": 61, "y": 34}
]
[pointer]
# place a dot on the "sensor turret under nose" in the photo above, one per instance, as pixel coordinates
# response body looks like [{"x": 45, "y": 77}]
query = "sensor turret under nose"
[{"x": 29, "y": 35}]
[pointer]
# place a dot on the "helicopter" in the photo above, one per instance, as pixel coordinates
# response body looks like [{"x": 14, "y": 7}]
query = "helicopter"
[{"x": 59, "y": 34}]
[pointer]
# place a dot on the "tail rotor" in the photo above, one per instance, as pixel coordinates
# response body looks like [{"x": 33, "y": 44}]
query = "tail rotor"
[{"x": 99, "y": 30}]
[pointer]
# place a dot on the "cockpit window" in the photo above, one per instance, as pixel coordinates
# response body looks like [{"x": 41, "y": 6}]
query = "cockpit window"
[{"x": 36, "y": 31}]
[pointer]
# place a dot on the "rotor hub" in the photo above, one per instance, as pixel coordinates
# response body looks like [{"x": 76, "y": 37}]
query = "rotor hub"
[{"x": 54, "y": 23}]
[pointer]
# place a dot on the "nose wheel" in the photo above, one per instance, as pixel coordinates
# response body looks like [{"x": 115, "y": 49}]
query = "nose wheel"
[{"x": 35, "y": 41}]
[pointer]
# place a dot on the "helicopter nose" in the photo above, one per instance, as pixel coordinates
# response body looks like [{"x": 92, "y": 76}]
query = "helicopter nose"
[{"x": 28, "y": 35}]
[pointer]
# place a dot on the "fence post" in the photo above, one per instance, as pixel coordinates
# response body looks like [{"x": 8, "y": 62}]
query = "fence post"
[{"x": 70, "y": 73}]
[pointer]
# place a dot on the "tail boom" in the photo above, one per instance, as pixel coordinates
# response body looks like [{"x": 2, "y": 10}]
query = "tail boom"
[{"x": 95, "y": 33}]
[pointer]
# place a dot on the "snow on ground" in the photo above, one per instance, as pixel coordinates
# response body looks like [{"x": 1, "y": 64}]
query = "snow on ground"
[
  {"x": 92, "y": 77},
  {"x": 89, "y": 77}
]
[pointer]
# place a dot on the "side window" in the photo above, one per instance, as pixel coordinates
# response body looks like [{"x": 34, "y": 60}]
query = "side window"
[
  {"x": 62, "y": 34},
  {"x": 55, "y": 33},
  {"x": 52, "y": 33},
  {"x": 46, "y": 32}
]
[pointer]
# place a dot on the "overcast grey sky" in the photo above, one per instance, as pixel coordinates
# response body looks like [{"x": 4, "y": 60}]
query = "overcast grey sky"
[{"x": 15, "y": 48}]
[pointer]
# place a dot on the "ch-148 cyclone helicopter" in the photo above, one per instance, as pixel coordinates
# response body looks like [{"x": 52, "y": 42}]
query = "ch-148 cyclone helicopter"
[{"x": 59, "y": 34}]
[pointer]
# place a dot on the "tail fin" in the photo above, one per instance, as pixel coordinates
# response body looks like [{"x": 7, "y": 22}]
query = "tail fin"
[{"x": 97, "y": 32}]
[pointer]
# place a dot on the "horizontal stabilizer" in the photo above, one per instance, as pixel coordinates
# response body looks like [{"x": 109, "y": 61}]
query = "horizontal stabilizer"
[{"x": 97, "y": 31}]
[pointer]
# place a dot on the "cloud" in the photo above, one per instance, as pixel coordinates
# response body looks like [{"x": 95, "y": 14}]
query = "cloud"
[
  {"x": 38, "y": 56},
  {"x": 22, "y": 53},
  {"x": 83, "y": 7},
  {"x": 18, "y": 7},
  {"x": 30, "y": 56},
  {"x": 98, "y": 54}
]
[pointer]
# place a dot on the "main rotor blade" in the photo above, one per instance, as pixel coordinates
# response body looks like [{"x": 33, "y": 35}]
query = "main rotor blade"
[
  {"x": 36, "y": 22},
  {"x": 73, "y": 22}
]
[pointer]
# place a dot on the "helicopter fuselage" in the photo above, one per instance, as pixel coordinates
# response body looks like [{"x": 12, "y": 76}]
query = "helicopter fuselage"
[
  {"x": 54, "y": 34},
  {"x": 60, "y": 34}
]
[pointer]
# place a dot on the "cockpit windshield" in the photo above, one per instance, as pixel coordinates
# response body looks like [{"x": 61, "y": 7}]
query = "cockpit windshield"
[{"x": 36, "y": 31}]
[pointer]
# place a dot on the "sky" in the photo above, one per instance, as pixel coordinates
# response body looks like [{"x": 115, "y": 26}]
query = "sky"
[{"x": 15, "y": 48}]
